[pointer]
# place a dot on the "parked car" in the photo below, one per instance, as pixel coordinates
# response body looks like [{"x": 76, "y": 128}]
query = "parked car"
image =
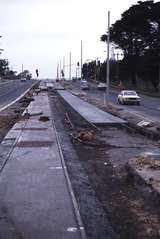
[
  {"x": 101, "y": 86},
  {"x": 128, "y": 96},
  {"x": 84, "y": 85}
]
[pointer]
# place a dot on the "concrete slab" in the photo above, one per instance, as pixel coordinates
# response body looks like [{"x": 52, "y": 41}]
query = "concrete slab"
[
  {"x": 34, "y": 198},
  {"x": 90, "y": 112}
]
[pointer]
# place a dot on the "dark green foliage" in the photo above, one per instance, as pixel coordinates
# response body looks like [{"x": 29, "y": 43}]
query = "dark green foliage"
[
  {"x": 89, "y": 70},
  {"x": 3, "y": 67},
  {"x": 137, "y": 33}
]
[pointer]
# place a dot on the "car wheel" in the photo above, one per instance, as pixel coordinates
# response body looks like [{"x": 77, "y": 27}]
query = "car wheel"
[
  {"x": 119, "y": 102},
  {"x": 138, "y": 103}
]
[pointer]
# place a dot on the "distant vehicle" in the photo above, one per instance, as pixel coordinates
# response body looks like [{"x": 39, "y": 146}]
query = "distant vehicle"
[
  {"x": 49, "y": 85},
  {"x": 84, "y": 85},
  {"x": 128, "y": 96},
  {"x": 101, "y": 86},
  {"x": 23, "y": 79}
]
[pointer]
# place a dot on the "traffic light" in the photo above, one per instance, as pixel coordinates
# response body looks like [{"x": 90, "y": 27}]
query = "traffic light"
[
  {"x": 77, "y": 63},
  {"x": 62, "y": 73},
  {"x": 37, "y": 73}
]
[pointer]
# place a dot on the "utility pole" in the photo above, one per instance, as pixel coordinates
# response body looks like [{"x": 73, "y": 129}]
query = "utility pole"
[
  {"x": 96, "y": 59},
  {"x": 57, "y": 71},
  {"x": 1, "y": 48},
  {"x": 64, "y": 66},
  {"x": 107, "y": 65},
  {"x": 22, "y": 67},
  {"x": 81, "y": 57},
  {"x": 70, "y": 63},
  {"x": 60, "y": 69}
]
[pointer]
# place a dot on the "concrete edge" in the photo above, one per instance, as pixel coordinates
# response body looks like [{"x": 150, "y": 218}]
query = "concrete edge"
[
  {"x": 21, "y": 96},
  {"x": 11, "y": 146},
  {"x": 15, "y": 139},
  {"x": 71, "y": 192},
  {"x": 133, "y": 120},
  {"x": 93, "y": 126}
]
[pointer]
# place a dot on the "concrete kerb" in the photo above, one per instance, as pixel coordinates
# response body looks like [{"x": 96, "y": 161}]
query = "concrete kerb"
[
  {"x": 75, "y": 115},
  {"x": 151, "y": 130},
  {"x": 73, "y": 198}
]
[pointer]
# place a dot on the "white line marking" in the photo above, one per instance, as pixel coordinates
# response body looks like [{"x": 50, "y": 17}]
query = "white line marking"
[
  {"x": 55, "y": 168},
  {"x": 2, "y": 83},
  {"x": 6, "y": 106}
]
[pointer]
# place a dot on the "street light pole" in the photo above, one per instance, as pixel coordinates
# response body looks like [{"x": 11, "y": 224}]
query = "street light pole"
[
  {"x": 81, "y": 57},
  {"x": 70, "y": 63},
  {"x": 64, "y": 66},
  {"x": 60, "y": 69},
  {"x": 57, "y": 71},
  {"x": 107, "y": 65}
]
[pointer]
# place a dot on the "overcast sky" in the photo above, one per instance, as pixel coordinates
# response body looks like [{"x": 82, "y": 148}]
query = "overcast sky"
[{"x": 39, "y": 33}]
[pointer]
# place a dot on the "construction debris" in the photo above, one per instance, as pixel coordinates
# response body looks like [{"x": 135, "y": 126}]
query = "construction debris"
[
  {"x": 148, "y": 162},
  {"x": 68, "y": 120},
  {"x": 26, "y": 99},
  {"x": 83, "y": 135},
  {"x": 37, "y": 91},
  {"x": 33, "y": 114},
  {"x": 44, "y": 118}
]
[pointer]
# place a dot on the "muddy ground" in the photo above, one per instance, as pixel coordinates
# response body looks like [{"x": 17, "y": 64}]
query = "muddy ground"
[
  {"x": 110, "y": 206},
  {"x": 11, "y": 115}
]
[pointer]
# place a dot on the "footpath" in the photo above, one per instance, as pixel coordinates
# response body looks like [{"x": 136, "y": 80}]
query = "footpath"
[{"x": 36, "y": 200}]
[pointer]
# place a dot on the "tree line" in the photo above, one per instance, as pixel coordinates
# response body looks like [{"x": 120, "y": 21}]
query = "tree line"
[
  {"x": 137, "y": 35},
  {"x": 7, "y": 73}
]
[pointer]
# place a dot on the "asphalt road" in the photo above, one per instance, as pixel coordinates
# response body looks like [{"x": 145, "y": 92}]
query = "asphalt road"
[
  {"x": 149, "y": 108},
  {"x": 11, "y": 90}
]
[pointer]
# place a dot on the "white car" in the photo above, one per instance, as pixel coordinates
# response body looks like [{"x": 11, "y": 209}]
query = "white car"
[
  {"x": 101, "y": 86},
  {"x": 128, "y": 96}
]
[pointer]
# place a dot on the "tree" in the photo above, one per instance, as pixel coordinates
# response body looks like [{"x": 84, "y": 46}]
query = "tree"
[
  {"x": 3, "y": 66},
  {"x": 89, "y": 70},
  {"x": 25, "y": 74},
  {"x": 137, "y": 33},
  {"x": 136, "y": 29}
]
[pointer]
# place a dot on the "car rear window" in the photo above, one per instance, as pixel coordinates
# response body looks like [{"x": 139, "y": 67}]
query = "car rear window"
[{"x": 130, "y": 93}]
